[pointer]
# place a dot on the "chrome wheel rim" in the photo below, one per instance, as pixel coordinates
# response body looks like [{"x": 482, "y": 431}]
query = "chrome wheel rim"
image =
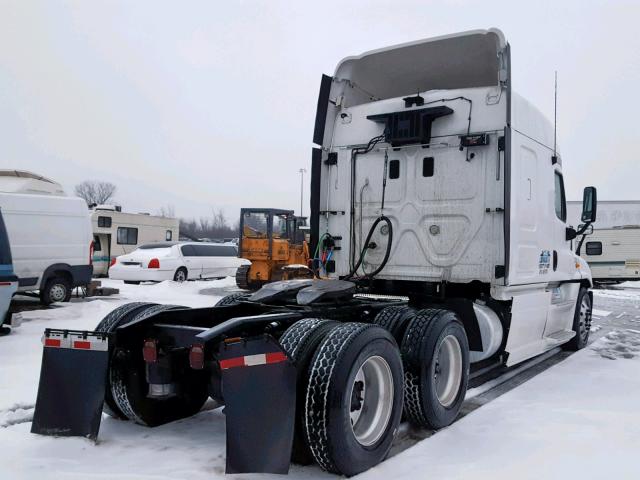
[
  {"x": 371, "y": 400},
  {"x": 448, "y": 370},
  {"x": 58, "y": 292},
  {"x": 180, "y": 276}
]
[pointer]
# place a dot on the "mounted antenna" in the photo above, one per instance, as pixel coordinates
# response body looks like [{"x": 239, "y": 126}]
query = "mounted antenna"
[{"x": 554, "y": 158}]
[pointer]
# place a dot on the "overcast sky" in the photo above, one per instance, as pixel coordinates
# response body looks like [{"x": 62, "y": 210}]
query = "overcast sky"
[{"x": 211, "y": 104}]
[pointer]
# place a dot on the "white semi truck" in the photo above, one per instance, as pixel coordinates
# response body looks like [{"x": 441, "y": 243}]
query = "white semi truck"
[{"x": 438, "y": 213}]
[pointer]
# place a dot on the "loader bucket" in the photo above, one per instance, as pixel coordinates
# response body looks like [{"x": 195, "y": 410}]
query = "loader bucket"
[
  {"x": 259, "y": 389},
  {"x": 72, "y": 383}
]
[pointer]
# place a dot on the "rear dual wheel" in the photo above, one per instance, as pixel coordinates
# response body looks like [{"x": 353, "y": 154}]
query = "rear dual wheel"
[
  {"x": 435, "y": 352},
  {"x": 395, "y": 320},
  {"x": 300, "y": 341},
  {"x": 436, "y": 358},
  {"x": 119, "y": 316},
  {"x": 127, "y": 388},
  {"x": 351, "y": 403}
]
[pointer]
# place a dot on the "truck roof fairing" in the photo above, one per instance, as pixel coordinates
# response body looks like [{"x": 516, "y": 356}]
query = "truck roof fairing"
[{"x": 460, "y": 60}]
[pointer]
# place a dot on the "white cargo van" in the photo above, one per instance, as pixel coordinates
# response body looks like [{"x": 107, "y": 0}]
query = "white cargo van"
[{"x": 49, "y": 233}]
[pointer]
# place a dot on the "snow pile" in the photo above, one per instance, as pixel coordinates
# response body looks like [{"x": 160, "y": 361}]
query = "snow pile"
[
  {"x": 619, "y": 344},
  {"x": 185, "y": 293}
]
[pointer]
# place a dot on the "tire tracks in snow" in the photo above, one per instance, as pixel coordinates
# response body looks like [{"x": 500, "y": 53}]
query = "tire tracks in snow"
[{"x": 17, "y": 414}]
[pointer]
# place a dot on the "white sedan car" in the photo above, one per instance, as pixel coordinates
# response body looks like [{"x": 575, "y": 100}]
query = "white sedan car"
[{"x": 156, "y": 262}]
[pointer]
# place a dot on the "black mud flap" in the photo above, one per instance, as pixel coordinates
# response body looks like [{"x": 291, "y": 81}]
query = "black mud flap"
[
  {"x": 72, "y": 384},
  {"x": 259, "y": 390}
]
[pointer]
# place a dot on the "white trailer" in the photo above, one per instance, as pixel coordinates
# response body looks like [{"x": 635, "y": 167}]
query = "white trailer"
[
  {"x": 117, "y": 233},
  {"x": 613, "y": 249}
]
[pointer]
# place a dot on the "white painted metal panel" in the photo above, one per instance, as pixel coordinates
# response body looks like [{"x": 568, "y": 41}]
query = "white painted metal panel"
[
  {"x": 441, "y": 227},
  {"x": 528, "y": 319}
]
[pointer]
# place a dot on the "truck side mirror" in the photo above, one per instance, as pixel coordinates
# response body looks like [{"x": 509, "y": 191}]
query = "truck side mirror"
[
  {"x": 589, "y": 205},
  {"x": 571, "y": 233}
]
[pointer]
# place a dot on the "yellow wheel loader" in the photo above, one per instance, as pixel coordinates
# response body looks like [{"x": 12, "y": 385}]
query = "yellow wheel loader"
[{"x": 274, "y": 241}]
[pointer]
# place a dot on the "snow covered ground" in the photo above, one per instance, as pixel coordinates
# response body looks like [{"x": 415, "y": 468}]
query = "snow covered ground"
[{"x": 578, "y": 419}]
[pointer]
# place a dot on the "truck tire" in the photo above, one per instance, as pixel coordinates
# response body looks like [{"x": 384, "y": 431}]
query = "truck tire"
[
  {"x": 436, "y": 360},
  {"x": 233, "y": 299},
  {"x": 300, "y": 341},
  {"x": 581, "y": 321},
  {"x": 395, "y": 320},
  {"x": 119, "y": 316},
  {"x": 129, "y": 387},
  {"x": 353, "y": 402},
  {"x": 242, "y": 277},
  {"x": 56, "y": 289}
]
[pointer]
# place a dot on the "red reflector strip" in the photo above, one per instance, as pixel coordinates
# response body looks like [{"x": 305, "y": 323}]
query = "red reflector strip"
[
  {"x": 232, "y": 363},
  {"x": 5, "y": 284},
  {"x": 276, "y": 357},
  {"x": 251, "y": 360},
  {"x": 52, "y": 342},
  {"x": 82, "y": 345},
  {"x": 76, "y": 341}
]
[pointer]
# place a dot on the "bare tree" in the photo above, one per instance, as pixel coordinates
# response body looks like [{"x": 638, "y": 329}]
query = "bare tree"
[
  {"x": 219, "y": 220},
  {"x": 167, "y": 211},
  {"x": 215, "y": 227},
  {"x": 189, "y": 228},
  {"x": 205, "y": 225},
  {"x": 95, "y": 192}
]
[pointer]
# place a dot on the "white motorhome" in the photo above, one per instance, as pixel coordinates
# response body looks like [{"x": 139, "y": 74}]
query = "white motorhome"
[
  {"x": 118, "y": 233},
  {"x": 613, "y": 249},
  {"x": 49, "y": 233}
]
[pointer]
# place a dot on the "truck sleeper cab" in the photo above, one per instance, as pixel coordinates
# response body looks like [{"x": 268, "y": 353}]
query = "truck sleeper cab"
[
  {"x": 463, "y": 179},
  {"x": 438, "y": 226}
]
